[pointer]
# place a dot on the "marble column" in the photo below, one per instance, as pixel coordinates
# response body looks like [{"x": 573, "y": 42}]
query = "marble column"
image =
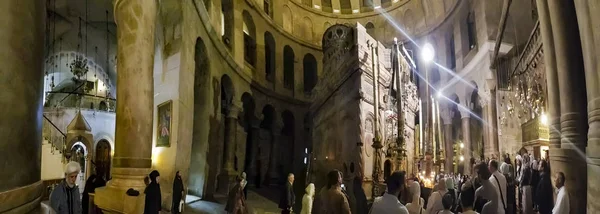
[
  {"x": 466, "y": 151},
  {"x": 448, "y": 140},
  {"x": 21, "y": 79},
  {"x": 570, "y": 158},
  {"x": 132, "y": 160},
  {"x": 588, "y": 17},
  {"x": 273, "y": 174},
  {"x": 227, "y": 176}
]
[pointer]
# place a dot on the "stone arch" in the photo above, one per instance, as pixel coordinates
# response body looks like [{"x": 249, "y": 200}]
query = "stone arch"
[
  {"x": 268, "y": 117},
  {"x": 370, "y": 29},
  {"x": 288, "y": 21},
  {"x": 288, "y": 67},
  {"x": 308, "y": 28},
  {"x": 249, "y": 30},
  {"x": 270, "y": 60},
  {"x": 408, "y": 21},
  {"x": 310, "y": 72}
]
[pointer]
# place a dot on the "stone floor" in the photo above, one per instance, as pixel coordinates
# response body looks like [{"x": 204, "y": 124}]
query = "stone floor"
[{"x": 257, "y": 203}]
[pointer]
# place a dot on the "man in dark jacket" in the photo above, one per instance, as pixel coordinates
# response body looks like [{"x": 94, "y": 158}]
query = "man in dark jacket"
[
  {"x": 153, "y": 198},
  {"x": 544, "y": 199},
  {"x": 288, "y": 197},
  {"x": 64, "y": 199},
  {"x": 177, "y": 193}
]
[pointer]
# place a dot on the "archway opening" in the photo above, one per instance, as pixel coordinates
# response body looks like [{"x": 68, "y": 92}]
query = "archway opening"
[
  {"x": 310, "y": 73},
  {"x": 270, "y": 57},
  {"x": 79, "y": 154},
  {"x": 249, "y": 38},
  {"x": 251, "y": 128},
  {"x": 103, "y": 159},
  {"x": 288, "y": 67},
  {"x": 265, "y": 154}
]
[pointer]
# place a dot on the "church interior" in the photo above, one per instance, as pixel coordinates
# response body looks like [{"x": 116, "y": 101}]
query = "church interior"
[{"x": 211, "y": 89}]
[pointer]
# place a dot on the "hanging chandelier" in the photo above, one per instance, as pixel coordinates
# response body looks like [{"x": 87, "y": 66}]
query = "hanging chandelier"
[{"x": 79, "y": 66}]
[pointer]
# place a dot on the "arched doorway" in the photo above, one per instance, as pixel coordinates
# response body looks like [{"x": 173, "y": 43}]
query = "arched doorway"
[
  {"x": 287, "y": 146},
  {"x": 251, "y": 128},
  {"x": 266, "y": 154},
  {"x": 79, "y": 154},
  {"x": 103, "y": 159}
]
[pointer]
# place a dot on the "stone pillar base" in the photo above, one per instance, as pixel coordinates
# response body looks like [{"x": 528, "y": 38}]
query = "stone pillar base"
[
  {"x": 113, "y": 197},
  {"x": 225, "y": 181},
  {"x": 572, "y": 163}
]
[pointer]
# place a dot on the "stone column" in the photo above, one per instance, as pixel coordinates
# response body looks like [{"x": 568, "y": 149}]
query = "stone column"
[
  {"x": 132, "y": 160},
  {"x": 551, "y": 75},
  {"x": 21, "y": 79},
  {"x": 589, "y": 19},
  {"x": 255, "y": 139},
  {"x": 275, "y": 139},
  {"x": 448, "y": 140},
  {"x": 466, "y": 151},
  {"x": 493, "y": 128},
  {"x": 228, "y": 173},
  {"x": 570, "y": 70}
]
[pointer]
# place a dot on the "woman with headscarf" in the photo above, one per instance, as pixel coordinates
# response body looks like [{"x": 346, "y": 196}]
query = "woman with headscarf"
[
  {"x": 178, "y": 193},
  {"x": 153, "y": 198},
  {"x": 434, "y": 203},
  {"x": 235, "y": 199},
  {"x": 307, "y": 200},
  {"x": 416, "y": 205}
]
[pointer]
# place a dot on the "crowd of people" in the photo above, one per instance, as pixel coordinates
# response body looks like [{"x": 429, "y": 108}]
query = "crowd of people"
[
  {"x": 498, "y": 187},
  {"x": 495, "y": 187}
]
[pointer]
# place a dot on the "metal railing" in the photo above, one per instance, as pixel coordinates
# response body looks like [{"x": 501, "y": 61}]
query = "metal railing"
[{"x": 79, "y": 100}]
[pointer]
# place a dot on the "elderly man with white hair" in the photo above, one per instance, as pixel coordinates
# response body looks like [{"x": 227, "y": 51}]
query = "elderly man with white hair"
[{"x": 65, "y": 198}]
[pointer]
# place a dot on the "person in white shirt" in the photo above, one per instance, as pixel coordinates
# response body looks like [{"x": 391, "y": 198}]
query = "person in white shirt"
[
  {"x": 562, "y": 197},
  {"x": 389, "y": 203},
  {"x": 499, "y": 182}
]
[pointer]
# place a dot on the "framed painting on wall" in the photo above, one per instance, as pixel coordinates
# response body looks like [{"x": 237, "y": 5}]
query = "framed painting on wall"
[{"x": 163, "y": 133}]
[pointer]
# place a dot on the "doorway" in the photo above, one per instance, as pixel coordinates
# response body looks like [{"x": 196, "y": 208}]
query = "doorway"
[{"x": 103, "y": 159}]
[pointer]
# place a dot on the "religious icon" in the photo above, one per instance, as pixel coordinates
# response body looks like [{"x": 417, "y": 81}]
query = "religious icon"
[{"x": 163, "y": 134}]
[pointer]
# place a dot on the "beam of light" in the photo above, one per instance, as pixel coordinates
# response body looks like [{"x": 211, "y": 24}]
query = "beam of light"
[
  {"x": 399, "y": 28},
  {"x": 458, "y": 78}
]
